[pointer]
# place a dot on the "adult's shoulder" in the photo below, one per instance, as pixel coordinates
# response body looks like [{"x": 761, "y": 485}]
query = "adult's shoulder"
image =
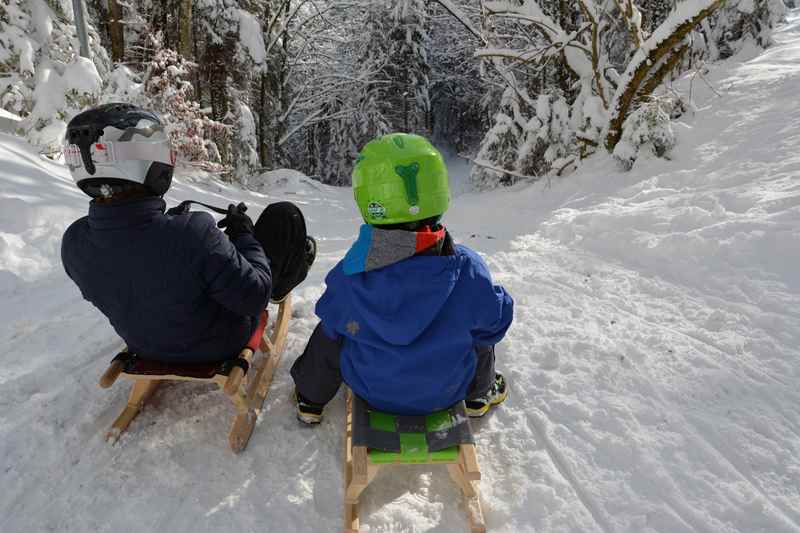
[
  {"x": 73, "y": 243},
  {"x": 194, "y": 235},
  {"x": 195, "y": 227},
  {"x": 79, "y": 225},
  {"x": 74, "y": 232}
]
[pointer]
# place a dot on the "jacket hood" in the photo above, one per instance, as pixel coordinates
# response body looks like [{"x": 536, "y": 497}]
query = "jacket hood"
[
  {"x": 402, "y": 300},
  {"x": 394, "y": 303}
]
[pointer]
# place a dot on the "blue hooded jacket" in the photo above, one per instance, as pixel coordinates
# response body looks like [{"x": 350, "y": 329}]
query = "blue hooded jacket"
[
  {"x": 175, "y": 288},
  {"x": 409, "y": 329}
]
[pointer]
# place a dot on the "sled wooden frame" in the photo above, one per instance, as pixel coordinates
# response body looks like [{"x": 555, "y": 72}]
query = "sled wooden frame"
[
  {"x": 248, "y": 395},
  {"x": 359, "y": 471}
]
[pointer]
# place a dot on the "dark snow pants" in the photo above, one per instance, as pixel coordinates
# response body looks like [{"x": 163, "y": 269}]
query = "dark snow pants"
[
  {"x": 281, "y": 230},
  {"x": 317, "y": 376}
]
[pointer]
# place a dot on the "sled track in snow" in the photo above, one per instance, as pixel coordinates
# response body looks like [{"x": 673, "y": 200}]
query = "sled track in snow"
[
  {"x": 746, "y": 372},
  {"x": 696, "y": 434},
  {"x": 540, "y": 429},
  {"x": 714, "y": 450},
  {"x": 691, "y": 338}
]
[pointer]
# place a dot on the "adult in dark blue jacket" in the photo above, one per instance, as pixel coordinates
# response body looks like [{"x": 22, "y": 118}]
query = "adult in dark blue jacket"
[
  {"x": 173, "y": 286},
  {"x": 409, "y": 321}
]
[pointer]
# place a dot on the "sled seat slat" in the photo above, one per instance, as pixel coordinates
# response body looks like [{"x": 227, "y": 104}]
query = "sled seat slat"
[{"x": 144, "y": 367}]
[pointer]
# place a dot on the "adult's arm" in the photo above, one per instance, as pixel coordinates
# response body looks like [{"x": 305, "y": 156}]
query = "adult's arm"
[{"x": 236, "y": 273}]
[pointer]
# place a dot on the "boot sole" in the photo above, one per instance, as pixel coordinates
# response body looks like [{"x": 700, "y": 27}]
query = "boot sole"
[
  {"x": 309, "y": 420},
  {"x": 478, "y": 413}
]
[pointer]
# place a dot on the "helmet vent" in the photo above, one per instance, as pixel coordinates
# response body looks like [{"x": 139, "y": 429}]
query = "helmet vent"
[{"x": 409, "y": 174}]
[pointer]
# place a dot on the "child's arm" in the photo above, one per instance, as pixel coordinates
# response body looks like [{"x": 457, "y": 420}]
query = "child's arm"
[
  {"x": 495, "y": 312},
  {"x": 494, "y": 307}
]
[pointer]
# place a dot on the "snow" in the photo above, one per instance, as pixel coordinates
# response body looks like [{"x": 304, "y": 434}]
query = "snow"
[
  {"x": 653, "y": 364},
  {"x": 42, "y": 19},
  {"x": 252, "y": 37},
  {"x": 26, "y": 57},
  {"x": 746, "y": 6},
  {"x": 81, "y": 75},
  {"x": 6, "y": 115}
]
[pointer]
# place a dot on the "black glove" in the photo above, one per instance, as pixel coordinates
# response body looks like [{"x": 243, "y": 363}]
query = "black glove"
[
  {"x": 180, "y": 209},
  {"x": 236, "y": 223}
]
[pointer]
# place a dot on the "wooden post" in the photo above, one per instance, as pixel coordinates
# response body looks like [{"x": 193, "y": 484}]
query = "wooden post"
[{"x": 80, "y": 26}]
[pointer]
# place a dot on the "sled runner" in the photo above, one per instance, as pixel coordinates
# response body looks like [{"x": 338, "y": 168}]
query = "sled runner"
[
  {"x": 245, "y": 380},
  {"x": 374, "y": 439}
]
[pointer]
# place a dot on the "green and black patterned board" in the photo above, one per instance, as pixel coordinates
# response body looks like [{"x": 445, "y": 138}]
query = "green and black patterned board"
[{"x": 433, "y": 438}]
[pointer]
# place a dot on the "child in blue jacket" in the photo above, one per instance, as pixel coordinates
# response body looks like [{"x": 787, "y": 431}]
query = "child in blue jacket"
[{"x": 409, "y": 320}]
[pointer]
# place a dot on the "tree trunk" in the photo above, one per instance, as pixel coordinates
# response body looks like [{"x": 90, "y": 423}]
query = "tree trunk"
[
  {"x": 639, "y": 72},
  {"x": 164, "y": 24},
  {"x": 116, "y": 31},
  {"x": 262, "y": 115},
  {"x": 185, "y": 46}
]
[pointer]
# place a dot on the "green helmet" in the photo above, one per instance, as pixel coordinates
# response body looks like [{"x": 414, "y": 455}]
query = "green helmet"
[{"x": 400, "y": 178}]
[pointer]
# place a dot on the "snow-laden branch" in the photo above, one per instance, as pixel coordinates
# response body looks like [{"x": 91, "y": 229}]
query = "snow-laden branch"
[
  {"x": 531, "y": 13},
  {"x": 668, "y": 35}
]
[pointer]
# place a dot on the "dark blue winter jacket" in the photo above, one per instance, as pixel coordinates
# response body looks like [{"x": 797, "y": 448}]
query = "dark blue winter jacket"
[
  {"x": 409, "y": 329},
  {"x": 175, "y": 288}
]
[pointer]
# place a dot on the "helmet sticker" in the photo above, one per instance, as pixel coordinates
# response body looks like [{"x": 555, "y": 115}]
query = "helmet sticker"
[
  {"x": 376, "y": 210},
  {"x": 409, "y": 175},
  {"x": 102, "y": 153},
  {"x": 399, "y": 142},
  {"x": 413, "y": 210},
  {"x": 72, "y": 156}
]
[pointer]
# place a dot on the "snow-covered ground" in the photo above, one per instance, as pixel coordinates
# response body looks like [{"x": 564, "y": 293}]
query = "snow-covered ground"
[{"x": 654, "y": 363}]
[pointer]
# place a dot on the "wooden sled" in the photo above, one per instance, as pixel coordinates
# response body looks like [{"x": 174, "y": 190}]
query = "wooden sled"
[
  {"x": 362, "y": 462},
  {"x": 244, "y": 381}
]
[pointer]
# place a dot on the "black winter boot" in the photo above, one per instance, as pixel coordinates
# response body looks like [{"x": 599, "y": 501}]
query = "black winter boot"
[{"x": 477, "y": 407}]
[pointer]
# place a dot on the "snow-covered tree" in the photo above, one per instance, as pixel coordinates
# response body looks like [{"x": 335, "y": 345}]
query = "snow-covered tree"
[
  {"x": 498, "y": 152},
  {"x": 243, "y": 146},
  {"x": 45, "y": 81},
  {"x": 168, "y": 90},
  {"x": 607, "y": 66},
  {"x": 648, "y": 129},
  {"x": 739, "y": 23},
  {"x": 458, "y": 90}
]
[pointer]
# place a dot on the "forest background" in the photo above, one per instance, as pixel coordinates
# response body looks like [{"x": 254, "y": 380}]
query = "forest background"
[{"x": 523, "y": 88}]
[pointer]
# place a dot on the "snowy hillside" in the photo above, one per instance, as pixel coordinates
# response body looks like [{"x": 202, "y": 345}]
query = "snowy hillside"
[{"x": 654, "y": 363}]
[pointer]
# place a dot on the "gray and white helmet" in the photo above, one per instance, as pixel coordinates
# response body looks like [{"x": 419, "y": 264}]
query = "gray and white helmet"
[{"x": 117, "y": 147}]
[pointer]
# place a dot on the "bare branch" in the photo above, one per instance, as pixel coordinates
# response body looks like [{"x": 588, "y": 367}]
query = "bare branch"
[{"x": 453, "y": 10}]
